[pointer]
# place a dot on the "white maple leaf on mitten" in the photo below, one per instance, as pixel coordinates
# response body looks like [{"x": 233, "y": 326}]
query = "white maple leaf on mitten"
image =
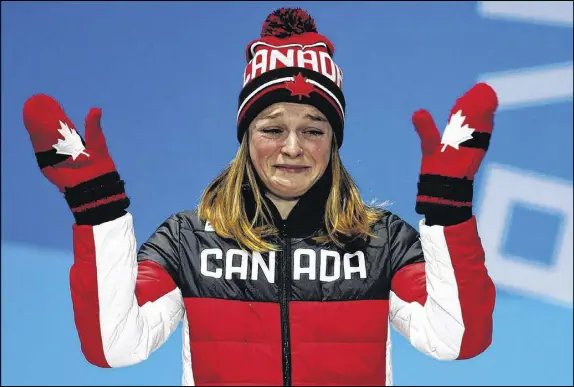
[
  {"x": 455, "y": 133},
  {"x": 71, "y": 144}
]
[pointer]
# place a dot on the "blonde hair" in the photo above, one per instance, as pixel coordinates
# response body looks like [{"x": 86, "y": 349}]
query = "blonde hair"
[{"x": 223, "y": 205}]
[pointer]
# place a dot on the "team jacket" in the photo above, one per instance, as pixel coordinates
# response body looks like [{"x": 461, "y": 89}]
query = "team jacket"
[{"x": 305, "y": 315}]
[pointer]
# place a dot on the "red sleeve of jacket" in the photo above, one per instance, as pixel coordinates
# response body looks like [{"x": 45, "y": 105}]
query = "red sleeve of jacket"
[
  {"x": 444, "y": 305},
  {"x": 123, "y": 310}
]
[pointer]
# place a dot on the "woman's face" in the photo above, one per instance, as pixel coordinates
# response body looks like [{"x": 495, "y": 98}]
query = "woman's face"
[{"x": 290, "y": 147}]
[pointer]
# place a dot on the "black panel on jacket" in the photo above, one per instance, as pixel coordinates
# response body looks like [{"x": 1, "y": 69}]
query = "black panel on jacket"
[
  {"x": 404, "y": 243},
  {"x": 206, "y": 265},
  {"x": 163, "y": 246}
]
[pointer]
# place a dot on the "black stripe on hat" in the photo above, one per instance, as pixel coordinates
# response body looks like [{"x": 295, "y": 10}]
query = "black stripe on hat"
[{"x": 285, "y": 72}]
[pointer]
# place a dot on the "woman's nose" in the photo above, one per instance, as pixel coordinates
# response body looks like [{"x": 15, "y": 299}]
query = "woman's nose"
[{"x": 291, "y": 147}]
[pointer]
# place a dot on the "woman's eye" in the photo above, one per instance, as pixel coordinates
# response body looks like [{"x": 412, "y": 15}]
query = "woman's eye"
[
  {"x": 271, "y": 131},
  {"x": 314, "y": 132}
]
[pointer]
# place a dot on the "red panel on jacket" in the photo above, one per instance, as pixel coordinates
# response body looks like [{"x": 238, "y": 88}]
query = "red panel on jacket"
[
  {"x": 247, "y": 350},
  {"x": 339, "y": 343}
]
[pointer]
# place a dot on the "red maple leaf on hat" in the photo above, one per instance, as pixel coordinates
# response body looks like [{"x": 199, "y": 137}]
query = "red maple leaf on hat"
[{"x": 299, "y": 86}]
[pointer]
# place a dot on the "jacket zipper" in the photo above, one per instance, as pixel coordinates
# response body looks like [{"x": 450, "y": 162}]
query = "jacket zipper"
[{"x": 284, "y": 297}]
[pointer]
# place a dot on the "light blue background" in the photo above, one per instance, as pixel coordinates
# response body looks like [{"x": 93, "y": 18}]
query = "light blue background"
[{"x": 167, "y": 76}]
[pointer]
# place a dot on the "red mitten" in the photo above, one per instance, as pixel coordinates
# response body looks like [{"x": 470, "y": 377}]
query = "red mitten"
[
  {"x": 448, "y": 167},
  {"x": 82, "y": 170}
]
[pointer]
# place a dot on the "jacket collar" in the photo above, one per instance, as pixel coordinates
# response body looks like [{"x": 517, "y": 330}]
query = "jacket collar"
[{"x": 306, "y": 218}]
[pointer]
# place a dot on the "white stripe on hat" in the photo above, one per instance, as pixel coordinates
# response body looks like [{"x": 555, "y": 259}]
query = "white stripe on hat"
[
  {"x": 263, "y": 86},
  {"x": 320, "y": 86}
]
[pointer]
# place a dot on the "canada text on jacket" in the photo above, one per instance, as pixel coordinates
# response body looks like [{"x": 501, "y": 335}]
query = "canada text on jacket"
[{"x": 328, "y": 266}]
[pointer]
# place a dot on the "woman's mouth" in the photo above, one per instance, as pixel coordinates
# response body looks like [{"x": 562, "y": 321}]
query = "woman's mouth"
[{"x": 292, "y": 168}]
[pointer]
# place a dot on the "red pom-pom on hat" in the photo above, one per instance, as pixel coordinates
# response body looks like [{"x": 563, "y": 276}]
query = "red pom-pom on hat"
[{"x": 285, "y": 22}]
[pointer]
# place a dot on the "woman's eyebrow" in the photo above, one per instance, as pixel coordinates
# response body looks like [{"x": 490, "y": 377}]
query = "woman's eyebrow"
[{"x": 315, "y": 118}]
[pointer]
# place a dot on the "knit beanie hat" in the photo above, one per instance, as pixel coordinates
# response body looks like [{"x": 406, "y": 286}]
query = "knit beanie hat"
[{"x": 291, "y": 62}]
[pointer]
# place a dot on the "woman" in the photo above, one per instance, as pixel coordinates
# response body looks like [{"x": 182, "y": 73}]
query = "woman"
[{"x": 282, "y": 275}]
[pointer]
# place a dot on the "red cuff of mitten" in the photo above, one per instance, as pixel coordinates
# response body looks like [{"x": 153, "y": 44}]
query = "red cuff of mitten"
[
  {"x": 444, "y": 200},
  {"x": 98, "y": 200}
]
